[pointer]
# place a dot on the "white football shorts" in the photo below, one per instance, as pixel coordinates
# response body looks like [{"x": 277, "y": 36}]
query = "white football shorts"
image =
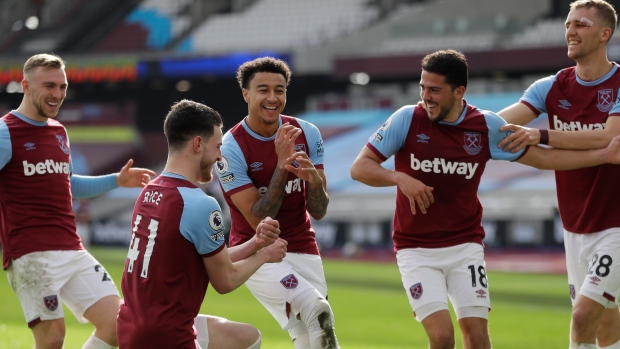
[
  {"x": 434, "y": 275},
  {"x": 42, "y": 280},
  {"x": 593, "y": 265},
  {"x": 275, "y": 285}
]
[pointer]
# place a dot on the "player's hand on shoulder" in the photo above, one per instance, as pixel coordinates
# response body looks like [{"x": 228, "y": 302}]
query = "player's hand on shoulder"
[
  {"x": 417, "y": 192},
  {"x": 276, "y": 252},
  {"x": 267, "y": 232},
  {"x": 518, "y": 137},
  {"x": 130, "y": 177},
  {"x": 285, "y": 143}
]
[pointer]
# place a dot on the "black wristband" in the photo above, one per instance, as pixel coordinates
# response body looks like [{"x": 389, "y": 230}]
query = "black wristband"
[{"x": 544, "y": 136}]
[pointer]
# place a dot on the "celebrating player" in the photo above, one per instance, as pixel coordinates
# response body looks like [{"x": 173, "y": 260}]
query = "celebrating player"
[
  {"x": 177, "y": 247},
  {"x": 583, "y": 98},
  {"x": 45, "y": 260},
  {"x": 272, "y": 165},
  {"x": 440, "y": 154}
]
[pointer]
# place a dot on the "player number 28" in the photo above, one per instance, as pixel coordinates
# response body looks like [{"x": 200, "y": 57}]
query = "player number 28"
[
  {"x": 604, "y": 263},
  {"x": 134, "y": 252}
]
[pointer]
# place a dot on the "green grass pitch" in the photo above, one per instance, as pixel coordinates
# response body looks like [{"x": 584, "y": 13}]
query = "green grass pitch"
[{"x": 370, "y": 306}]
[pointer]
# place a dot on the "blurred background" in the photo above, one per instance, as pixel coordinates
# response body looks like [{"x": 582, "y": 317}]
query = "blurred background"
[{"x": 354, "y": 62}]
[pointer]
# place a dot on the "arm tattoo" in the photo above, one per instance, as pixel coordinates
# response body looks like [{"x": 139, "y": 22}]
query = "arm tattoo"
[
  {"x": 316, "y": 201},
  {"x": 269, "y": 204}
]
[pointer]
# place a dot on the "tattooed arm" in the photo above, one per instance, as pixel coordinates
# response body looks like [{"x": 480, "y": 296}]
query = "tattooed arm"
[
  {"x": 317, "y": 198},
  {"x": 316, "y": 184}
]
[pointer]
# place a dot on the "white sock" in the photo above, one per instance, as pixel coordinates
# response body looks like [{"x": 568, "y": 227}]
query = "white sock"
[
  {"x": 613, "y": 346},
  {"x": 96, "y": 343},
  {"x": 574, "y": 345}
]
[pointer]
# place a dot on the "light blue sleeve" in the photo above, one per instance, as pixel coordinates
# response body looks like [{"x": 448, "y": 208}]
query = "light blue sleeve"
[
  {"x": 6, "y": 151},
  {"x": 91, "y": 186},
  {"x": 391, "y": 136},
  {"x": 315, "y": 141},
  {"x": 494, "y": 122},
  {"x": 536, "y": 94},
  {"x": 202, "y": 223},
  {"x": 232, "y": 171},
  {"x": 614, "y": 110}
]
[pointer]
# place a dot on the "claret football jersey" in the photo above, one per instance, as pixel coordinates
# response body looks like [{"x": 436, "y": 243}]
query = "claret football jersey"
[
  {"x": 587, "y": 197},
  {"x": 450, "y": 157}
]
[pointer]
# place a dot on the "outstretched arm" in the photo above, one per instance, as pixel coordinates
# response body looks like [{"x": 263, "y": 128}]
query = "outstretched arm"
[
  {"x": 133, "y": 176},
  {"x": 516, "y": 116},
  {"x": 557, "y": 159},
  {"x": 519, "y": 114},
  {"x": 91, "y": 186},
  {"x": 367, "y": 169}
]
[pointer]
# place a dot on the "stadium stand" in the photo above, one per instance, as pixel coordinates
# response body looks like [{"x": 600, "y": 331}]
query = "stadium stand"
[
  {"x": 280, "y": 25},
  {"x": 542, "y": 33}
]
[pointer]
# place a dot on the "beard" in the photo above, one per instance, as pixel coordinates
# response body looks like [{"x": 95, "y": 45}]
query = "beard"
[
  {"x": 42, "y": 113},
  {"x": 444, "y": 110},
  {"x": 206, "y": 172}
]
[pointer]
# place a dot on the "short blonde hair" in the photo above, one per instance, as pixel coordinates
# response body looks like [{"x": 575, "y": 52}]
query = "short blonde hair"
[{"x": 45, "y": 60}]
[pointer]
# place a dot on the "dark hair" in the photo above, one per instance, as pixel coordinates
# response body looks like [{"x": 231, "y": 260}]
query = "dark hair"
[
  {"x": 246, "y": 71},
  {"x": 187, "y": 119},
  {"x": 449, "y": 63},
  {"x": 604, "y": 11},
  {"x": 45, "y": 60}
]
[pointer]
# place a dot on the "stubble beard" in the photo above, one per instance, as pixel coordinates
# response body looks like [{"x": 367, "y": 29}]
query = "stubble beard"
[
  {"x": 206, "y": 172},
  {"x": 41, "y": 112}
]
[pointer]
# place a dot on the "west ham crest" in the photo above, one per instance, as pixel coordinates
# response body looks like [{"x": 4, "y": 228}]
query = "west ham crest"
[
  {"x": 51, "y": 302},
  {"x": 605, "y": 100},
  {"x": 416, "y": 290},
  {"x": 473, "y": 142},
  {"x": 571, "y": 288},
  {"x": 289, "y": 281},
  {"x": 63, "y": 144}
]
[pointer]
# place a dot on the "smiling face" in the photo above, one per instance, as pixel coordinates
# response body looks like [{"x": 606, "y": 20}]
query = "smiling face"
[
  {"x": 584, "y": 33},
  {"x": 266, "y": 98},
  {"x": 442, "y": 101},
  {"x": 44, "y": 91}
]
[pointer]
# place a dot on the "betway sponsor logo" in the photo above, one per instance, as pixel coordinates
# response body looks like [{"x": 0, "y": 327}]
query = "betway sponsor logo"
[
  {"x": 440, "y": 165},
  {"x": 291, "y": 186},
  {"x": 49, "y": 166},
  {"x": 575, "y": 125}
]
